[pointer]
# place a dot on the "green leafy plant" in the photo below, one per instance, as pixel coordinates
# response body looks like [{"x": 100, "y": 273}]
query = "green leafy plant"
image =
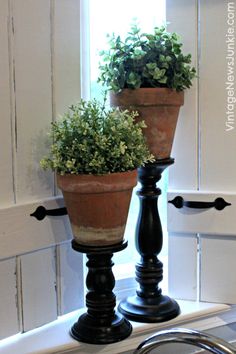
[
  {"x": 146, "y": 60},
  {"x": 90, "y": 139}
]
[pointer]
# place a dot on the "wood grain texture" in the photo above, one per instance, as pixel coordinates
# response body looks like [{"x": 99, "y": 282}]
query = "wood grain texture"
[
  {"x": 38, "y": 288},
  {"x": 70, "y": 279},
  {"x": 6, "y": 171},
  {"x": 8, "y": 307},
  {"x": 32, "y": 55}
]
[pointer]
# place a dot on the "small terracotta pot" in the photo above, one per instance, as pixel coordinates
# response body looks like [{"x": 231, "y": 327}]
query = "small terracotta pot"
[
  {"x": 159, "y": 108},
  {"x": 98, "y": 206}
]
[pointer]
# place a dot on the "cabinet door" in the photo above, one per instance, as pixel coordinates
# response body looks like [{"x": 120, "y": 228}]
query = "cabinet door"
[
  {"x": 39, "y": 78},
  {"x": 204, "y": 150}
]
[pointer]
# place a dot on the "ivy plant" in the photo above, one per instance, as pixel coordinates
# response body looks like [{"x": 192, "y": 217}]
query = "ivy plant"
[
  {"x": 91, "y": 139},
  {"x": 145, "y": 60}
]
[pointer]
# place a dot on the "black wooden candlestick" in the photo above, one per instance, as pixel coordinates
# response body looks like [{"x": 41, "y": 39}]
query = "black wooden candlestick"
[
  {"x": 101, "y": 324},
  {"x": 149, "y": 305}
]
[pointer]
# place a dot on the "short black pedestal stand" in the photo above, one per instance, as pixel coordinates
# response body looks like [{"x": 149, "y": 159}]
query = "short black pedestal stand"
[
  {"x": 101, "y": 324},
  {"x": 149, "y": 305}
]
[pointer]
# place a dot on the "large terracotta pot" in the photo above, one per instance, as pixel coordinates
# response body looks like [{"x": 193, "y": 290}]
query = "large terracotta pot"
[
  {"x": 159, "y": 108},
  {"x": 98, "y": 206}
]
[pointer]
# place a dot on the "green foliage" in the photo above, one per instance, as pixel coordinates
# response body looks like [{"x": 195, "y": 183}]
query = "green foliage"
[
  {"x": 89, "y": 139},
  {"x": 146, "y": 60}
]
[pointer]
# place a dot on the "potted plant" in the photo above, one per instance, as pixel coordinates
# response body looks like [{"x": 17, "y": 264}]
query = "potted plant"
[
  {"x": 148, "y": 73},
  {"x": 96, "y": 152}
]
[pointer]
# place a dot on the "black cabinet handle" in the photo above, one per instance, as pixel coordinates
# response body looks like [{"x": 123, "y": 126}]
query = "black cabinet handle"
[
  {"x": 41, "y": 212},
  {"x": 179, "y": 202}
]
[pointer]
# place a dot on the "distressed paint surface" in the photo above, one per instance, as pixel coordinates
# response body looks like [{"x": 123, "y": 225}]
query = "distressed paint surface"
[
  {"x": 32, "y": 60},
  {"x": 70, "y": 279},
  {"x": 40, "y": 77},
  {"x": 28, "y": 234},
  {"x": 38, "y": 288},
  {"x": 9, "y": 324},
  {"x": 6, "y": 107}
]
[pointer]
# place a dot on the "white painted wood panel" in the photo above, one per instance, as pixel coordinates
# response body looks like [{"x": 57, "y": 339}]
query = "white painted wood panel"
[
  {"x": 218, "y": 146},
  {"x": 85, "y": 49},
  {"x": 182, "y": 268},
  {"x": 218, "y": 264},
  {"x": 38, "y": 288},
  {"x": 185, "y": 147},
  {"x": 216, "y": 174},
  {"x": 66, "y": 54},
  {"x": 182, "y": 254},
  {"x": 32, "y": 56},
  {"x": 9, "y": 324},
  {"x": 207, "y": 221},
  {"x": 6, "y": 172},
  {"x": 40, "y": 76},
  {"x": 28, "y": 234},
  {"x": 70, "y": 279}
]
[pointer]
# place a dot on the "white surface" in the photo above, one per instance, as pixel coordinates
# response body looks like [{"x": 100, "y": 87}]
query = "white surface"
[
  {"x": 218, "y": 163},
  {"x": 27, "y": 233},
  {"x": 206, "y": 221},
  {"x": 32, "y": 56},
  {"x": 8, "y": 307},
  {"x": 66, "y": 54},
  {"x": 70, "y": 279},
  {"x": 38, "y": 288},
  {"x": 182, "y": 266},
  {"x": 6, "y": 173},
  {"x": 55, "y": 338},
  {"x": 213, "y": 174},
  {"x": 183, "y": 174},
  {"x": 40, "y": 76},
  {"x": 218, "y": 275}
]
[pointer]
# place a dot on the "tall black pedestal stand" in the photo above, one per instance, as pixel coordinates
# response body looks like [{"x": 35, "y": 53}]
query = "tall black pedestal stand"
[
  {"x": 149, "y": 305},
  {"x": 101, "y": 324}
]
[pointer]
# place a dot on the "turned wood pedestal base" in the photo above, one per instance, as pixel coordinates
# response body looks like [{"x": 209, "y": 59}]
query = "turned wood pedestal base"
[
  {"x": 149, "y": 305},
  {"x": 101, "y": 324}
]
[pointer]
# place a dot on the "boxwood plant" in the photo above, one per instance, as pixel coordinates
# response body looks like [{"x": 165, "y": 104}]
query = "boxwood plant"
[
  {"x": 145, "y": 60},
  {"x": 91, "y": 139}
]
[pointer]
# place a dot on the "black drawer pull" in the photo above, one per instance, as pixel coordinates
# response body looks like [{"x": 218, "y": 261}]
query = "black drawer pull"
[
  {"x": 179, "y": 202},
  {"x": 41, "y": 212}
]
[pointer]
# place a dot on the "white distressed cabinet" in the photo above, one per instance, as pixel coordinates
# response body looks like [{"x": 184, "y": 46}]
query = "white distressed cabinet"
[
  {"x": 202, "y": 242},
  {"x": 41, "y": 276}
]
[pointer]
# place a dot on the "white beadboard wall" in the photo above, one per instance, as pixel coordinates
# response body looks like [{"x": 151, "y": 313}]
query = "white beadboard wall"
[{"x": 41, "y": 276}]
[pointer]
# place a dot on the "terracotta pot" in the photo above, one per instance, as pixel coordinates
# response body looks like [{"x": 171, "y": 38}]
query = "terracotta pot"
[
  {"x": 98, "y": 206},
  {"x": 159, "y": 108}
]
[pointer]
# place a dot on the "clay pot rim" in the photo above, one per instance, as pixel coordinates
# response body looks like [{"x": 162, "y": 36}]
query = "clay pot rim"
[
  {"x": 148, "y": 96},
  {"x": 92, "y": 175},
  {"x": 161, "y": 89},
  {"x": 90, "y": 183}
]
